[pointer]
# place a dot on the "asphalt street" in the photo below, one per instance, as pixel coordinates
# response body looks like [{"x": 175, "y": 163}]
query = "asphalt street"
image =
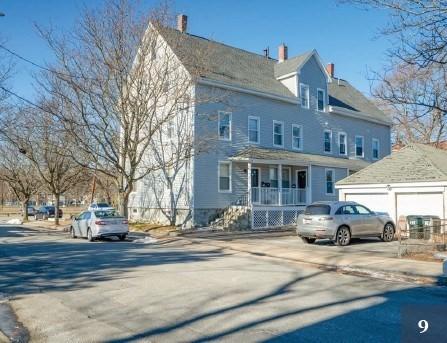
[{"x": 70, "y": 290}]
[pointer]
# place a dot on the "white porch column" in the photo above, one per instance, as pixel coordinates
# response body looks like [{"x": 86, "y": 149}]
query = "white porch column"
[
  {"x": 249, "y": 183},
  {"x": 280, "y": 184},
  {"x": 309, "y": 186}
]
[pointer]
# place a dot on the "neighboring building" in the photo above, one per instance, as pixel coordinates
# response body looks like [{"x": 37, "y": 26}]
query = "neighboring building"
[
  {"x": 439, "y": 145},
  {"x": 410, "y": 181},
  {"x": 289, "y": 124}
]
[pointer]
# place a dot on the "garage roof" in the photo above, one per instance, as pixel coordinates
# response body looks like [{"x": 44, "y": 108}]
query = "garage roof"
[{"x": 414, "y": 163}]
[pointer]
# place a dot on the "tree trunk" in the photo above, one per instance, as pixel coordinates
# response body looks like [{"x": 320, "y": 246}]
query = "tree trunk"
[
  {"x": 56, "y": 209},
  {"x": 123, "y": 203},
  {"x": 25, "y": 209}
]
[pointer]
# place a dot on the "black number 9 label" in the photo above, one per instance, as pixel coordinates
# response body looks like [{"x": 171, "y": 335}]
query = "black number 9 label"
[{"x": 423, "y": 324}]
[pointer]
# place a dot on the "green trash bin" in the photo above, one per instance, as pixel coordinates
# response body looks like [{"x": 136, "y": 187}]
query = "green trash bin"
[{"x": 415, "y": 226}]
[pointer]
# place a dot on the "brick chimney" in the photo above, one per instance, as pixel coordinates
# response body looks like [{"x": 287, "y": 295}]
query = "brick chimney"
[
  {"x": 182, "y": 22},
  {"x": 331, "y": 69},
  {"x": 282, "y": 52}
]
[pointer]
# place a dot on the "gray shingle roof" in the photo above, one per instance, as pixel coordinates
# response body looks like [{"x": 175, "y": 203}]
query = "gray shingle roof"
[
  {"x": 255, "y": 153},
  {"x": 342, "y": 94},
  {"x": 291, "y": 65},
  {"x": 252, "y": 71},
  {"x": 414, "y": 163}
]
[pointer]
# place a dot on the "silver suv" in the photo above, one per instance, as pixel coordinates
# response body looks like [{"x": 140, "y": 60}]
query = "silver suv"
[{"x": 342, "y": 220}]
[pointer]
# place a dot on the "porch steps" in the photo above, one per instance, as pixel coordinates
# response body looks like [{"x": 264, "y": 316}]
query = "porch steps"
[{"x": 233, "y": 218}]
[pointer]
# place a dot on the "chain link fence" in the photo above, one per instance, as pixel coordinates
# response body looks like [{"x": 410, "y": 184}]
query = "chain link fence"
[{"x": 421, "y": 234}]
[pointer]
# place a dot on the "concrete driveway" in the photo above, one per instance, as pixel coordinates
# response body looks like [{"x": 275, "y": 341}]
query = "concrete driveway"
[{"x": 65, "y": 290}]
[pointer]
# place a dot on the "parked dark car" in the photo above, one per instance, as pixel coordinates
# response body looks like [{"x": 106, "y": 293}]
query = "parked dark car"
[{"x": 46, "y": 212}]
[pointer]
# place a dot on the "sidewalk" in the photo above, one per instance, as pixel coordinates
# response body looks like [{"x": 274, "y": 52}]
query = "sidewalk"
[{"x": 352, "y": 259}]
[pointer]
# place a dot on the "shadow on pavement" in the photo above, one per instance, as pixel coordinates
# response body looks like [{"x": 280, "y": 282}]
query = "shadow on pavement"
[{"x": 32, "y": 266}]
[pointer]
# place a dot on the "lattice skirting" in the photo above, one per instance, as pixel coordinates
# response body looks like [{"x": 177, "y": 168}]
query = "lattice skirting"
[{"x": 274, "y": 217}]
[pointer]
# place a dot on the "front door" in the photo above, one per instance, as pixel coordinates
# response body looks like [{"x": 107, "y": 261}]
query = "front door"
[
  {"x": 301, "y": 176},
  {"x": 255, "y": 196}
]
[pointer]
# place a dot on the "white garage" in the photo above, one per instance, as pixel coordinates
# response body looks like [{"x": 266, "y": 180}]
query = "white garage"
[
  {"x": 374, "y": 201},
  {"x": 410, "y": 181}
]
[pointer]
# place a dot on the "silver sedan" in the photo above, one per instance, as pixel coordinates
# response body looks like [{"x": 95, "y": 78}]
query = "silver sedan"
[
  {"x": 98, "y": 224},
  {"x": 342, "y": 220}
]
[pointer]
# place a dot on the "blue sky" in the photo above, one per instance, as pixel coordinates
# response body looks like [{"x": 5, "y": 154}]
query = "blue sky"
[{"x": 342, "y": 34}]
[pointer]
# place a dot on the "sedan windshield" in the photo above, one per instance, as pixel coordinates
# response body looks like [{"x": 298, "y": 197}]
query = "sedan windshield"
[
  {"x": 108, "y": 214},
  {"x": 317, "y": 210}
]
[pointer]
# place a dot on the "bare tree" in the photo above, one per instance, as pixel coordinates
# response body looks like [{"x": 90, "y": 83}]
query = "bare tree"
[
  {"x": 413, "y": 88},
  {"x": 20, "y": 175},
  {"x": 404, "y": 93},
  {"x": 40, "y": 137},
  {"x": 118, "y": 83}
]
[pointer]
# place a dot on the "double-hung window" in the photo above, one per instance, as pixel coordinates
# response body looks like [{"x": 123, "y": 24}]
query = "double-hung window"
[
  {"x": 297, "y": 137},
  {"x": 342, "y": 143},
  {"x": 225, "y": 126},
  {"x": 321, "y": 103},
  {"x": 253, "y": 129},
  {"x": 375, "y": 149},
  {"x": 224, "y": 172},
  {"x": 327, "y": 141},
  {"x": 304, "y": 95},
  {"x": 329, "y": 181},
  {"x": 278, "y": 133},
  {"x": 359, "y": 152}
]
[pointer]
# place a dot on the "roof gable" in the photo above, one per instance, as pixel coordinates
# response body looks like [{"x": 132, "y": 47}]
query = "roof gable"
[
  {"x": 294, "y": 64},
  {"x": 414, "y": 163}
]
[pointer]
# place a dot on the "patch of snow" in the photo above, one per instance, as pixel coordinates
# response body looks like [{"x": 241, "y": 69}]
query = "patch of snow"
[
  {"x": 15, "y": 221},
  {"x": 145, "y": 240}
]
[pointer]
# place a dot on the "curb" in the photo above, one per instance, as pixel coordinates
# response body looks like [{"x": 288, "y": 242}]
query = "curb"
[{"x": 346, "y": 269}]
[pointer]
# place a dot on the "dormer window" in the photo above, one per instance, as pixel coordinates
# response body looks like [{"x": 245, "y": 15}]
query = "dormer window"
[
  {"x": 304, "y": 95},
  {"x": 321, "y": 103}
]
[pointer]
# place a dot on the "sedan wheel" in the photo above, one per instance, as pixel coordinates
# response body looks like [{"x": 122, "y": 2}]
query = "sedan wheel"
[
  {"x": 388, "y": 233},
  {"x": 343, "y": 237},
  {"x": 72, "y": 232},
  {"x": 89, "y": 235}
]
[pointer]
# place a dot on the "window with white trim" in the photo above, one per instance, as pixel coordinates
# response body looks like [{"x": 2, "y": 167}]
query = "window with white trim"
[
  {"x": 359, "y": 151},
  {"x": 278, "y": 133},
  {"x": 321, "y": 102},
  {"x": 375, "y": 149},
  {"x": 224, "y": 172},
  {"x": 327, "y": 141},
  {"x": 273, "y": 177},
  {"x": 329, "y": 174},
  {"x": 253, "y": 129},
  {"x": 297, "y": 137},
  {"x": 304, "y": 95},
  {"x": 225, "y": 126},
  {"x": 342, "y": 143}
]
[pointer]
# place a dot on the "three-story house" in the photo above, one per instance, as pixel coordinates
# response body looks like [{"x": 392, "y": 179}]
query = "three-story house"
[{"x": 286, "y": 131}]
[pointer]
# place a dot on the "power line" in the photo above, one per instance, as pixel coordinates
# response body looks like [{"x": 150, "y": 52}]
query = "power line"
[
  {"x": 15, "y": 54},
  {"x": 29, "y": 102}
]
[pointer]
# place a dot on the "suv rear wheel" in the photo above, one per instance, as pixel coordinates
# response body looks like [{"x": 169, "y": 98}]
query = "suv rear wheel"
[
  {"x": 388, "y": 233},
  {"x": 343, "y": 236},
  {"x": 308, "y": 240}
]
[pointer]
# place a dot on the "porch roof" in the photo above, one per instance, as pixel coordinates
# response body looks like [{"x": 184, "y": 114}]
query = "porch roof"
[{"x": 278, "y": 156}]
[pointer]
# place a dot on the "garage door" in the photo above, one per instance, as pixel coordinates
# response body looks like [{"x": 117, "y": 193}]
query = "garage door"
[
  {"x": 374, "y": 201},
  {"x": 420, "y": 203}
]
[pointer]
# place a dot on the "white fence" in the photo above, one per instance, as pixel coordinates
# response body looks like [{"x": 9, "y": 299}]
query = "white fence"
[
  {"x": 271, "y": 196},
  {"x": 271, "y": 217}
]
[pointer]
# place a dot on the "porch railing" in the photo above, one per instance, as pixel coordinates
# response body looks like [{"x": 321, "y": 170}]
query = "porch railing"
[{"x": 271, "y": 196}]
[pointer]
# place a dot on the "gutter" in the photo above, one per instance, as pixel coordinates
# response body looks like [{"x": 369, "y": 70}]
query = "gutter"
[{"x": 354, "y": 114}]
